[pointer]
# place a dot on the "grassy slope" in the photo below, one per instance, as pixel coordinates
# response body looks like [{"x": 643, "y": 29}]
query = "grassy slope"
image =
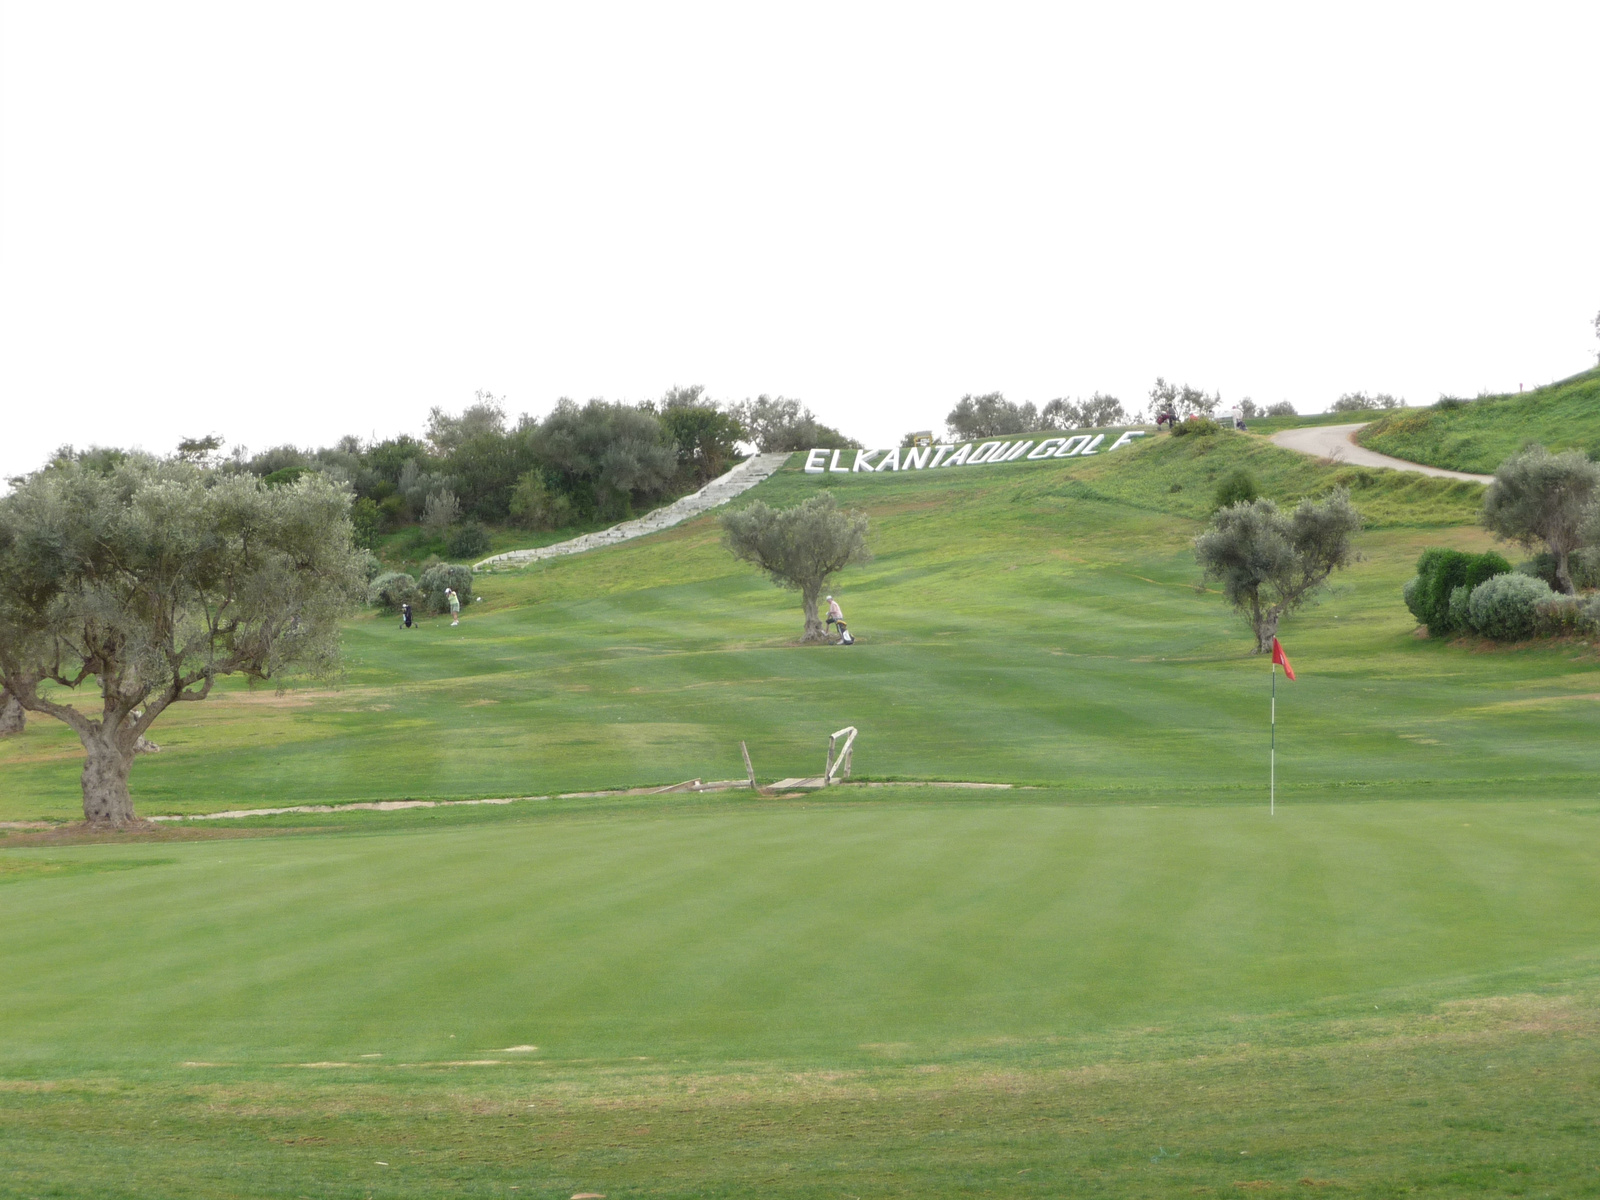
[
  {"x": 1061, "y": 594},
  {"x": 1479, "y": 436}
]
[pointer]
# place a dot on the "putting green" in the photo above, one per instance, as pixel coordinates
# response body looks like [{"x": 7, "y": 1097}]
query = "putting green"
[{"x": 259, "y": 1014}]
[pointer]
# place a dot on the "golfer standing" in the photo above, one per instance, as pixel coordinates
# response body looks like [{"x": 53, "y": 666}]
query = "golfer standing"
[
  {"x": 835, "y": 613},
  {"x": 455, "y": 606}
]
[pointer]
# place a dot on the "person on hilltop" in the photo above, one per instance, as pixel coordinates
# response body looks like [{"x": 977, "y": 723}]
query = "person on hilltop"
[{"x": 455, "y": 605}]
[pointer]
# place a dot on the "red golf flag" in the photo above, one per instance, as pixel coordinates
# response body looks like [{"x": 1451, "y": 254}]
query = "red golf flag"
[{"x": 1282, "y": 659}]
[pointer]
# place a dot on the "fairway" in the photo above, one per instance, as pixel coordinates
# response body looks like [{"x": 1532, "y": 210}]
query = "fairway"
[
  {"x": 910, "y": 957},
  {"x": 1034, "y": 623}
]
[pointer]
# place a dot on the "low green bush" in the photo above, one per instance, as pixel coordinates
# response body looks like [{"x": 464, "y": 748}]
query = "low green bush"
[
  {"x": 1460, "y": 610},
  {"x": 1589, "y": 614},
  {"x": 1236, "y": 487},
  {"x": 1439, "y": 573},
  {"x": 392, "y": 589},
  {"x": 1199, "y": 426},
  {"x": 1559, "y": 616},
  {"x": 1510, "y": 607},
  {"x": 444, "y": 575},
  {"x": 468, "y": 540}
]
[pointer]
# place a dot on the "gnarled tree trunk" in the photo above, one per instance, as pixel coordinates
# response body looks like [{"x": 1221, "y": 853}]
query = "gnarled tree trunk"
[
  {"x": 12, "y": 719},
  {"x": 815, "y": 631},
  {"x": 105, "y": 780},
  {"x": 1266, "y": 629}
]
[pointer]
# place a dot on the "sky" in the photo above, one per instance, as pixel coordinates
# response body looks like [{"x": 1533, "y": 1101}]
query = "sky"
[{"x": 291, "y": 222}]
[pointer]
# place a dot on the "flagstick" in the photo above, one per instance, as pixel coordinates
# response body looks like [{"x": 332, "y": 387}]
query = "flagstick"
[{"x": 1272, "y": 770}]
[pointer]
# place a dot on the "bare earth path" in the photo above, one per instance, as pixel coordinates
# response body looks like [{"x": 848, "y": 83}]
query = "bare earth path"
[
  {"x": 719, "y": 491},
  {"x": 1338, "y": 441}
]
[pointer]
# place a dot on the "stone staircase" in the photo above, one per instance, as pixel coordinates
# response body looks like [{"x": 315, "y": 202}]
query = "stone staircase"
[{"x": 719, "y": 491}]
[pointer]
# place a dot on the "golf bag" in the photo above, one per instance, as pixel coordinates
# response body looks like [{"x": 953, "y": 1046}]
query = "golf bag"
[{"x": 844, "y": 634}]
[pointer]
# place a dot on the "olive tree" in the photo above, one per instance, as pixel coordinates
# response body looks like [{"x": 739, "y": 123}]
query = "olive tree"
[
  {"x": 989, "y": 415},
  {"x": 800, "y": 547},
  {"x": 1270, "y": 562},
  {"x": 1538, "y": 497},
  {"x": 150, "y": 580}
]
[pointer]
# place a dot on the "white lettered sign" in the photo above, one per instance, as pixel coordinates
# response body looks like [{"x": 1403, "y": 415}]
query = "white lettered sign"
[{"x": 969, "y": 454}]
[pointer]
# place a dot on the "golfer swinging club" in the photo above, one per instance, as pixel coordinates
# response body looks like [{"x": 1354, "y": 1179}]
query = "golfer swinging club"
[{"x": 455, "y": 605}]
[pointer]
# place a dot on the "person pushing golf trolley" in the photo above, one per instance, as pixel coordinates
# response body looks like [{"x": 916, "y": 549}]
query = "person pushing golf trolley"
[{"x": 836, "y": 617}]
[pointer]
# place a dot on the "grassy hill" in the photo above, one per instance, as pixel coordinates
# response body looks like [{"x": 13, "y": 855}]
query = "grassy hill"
[
  {"x": 1125, "y": 980},
  {"x": 1480, "y": 434},
  {"x": 1063, "y": 593}
]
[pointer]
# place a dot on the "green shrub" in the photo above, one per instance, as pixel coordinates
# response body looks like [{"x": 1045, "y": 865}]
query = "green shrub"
[
  {"x": 1589, "y": 614},
  {"x": 1439, "y": 573},
  {"x": 389, "y": 591},
  {"x": 1411, "y": 592},
  {"x": 440, "y": 576},
  {"x": 1509, "y": 607},
  {"x": 1559, "y": 616},
  {"x": 365, "y": 520},
  {"x": 1460, "y": 611},
  {"x": 468, "y": 540},
  {"x": 535, "y": 505},
  {"x": 1199, "y": 426},
  {"x": 371, "y": 566},
  {"x": 1234, "y": 488}
]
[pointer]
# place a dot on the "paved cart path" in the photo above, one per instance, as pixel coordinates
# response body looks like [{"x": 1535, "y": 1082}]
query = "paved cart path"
[
  {"x": 1338, "y": 441},
  {"x": 719, "y": 491}
]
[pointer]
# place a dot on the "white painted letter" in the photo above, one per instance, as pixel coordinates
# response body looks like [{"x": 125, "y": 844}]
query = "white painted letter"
[
  {"x": 814, "y": 463},
  {"x": 864, "y": 461},
  {"x": 1125, "y": 439},
  {"x": 914, "y": 459},
  {"x": 891, "y": 461},
  {"x": 1090, "y": 448},
  {"x": 1072, "y": 445},
  {"x": 833, "y": 465},
  {"x": 938, "y": 453},
  {"x": 960, "y": 456},
  {"x": 983, "y": 453},
  {"x": 1013, "y": 454},
  {"x": 1043, "y": 449}
]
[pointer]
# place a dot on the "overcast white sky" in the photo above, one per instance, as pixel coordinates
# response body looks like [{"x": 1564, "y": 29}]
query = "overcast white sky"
[{"x": 288, "y": 222}]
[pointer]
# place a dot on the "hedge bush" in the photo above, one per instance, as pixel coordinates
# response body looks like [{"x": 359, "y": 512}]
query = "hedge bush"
[
  {"x": 1238, "y": 486},
  {"x": 1510, "y": 607},
  {"x": 445, "y": 575},
  {"x": 392, "y": 589},
  {"x": 468, "y": 540},
  {"x": 1439, "y": 573}
]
